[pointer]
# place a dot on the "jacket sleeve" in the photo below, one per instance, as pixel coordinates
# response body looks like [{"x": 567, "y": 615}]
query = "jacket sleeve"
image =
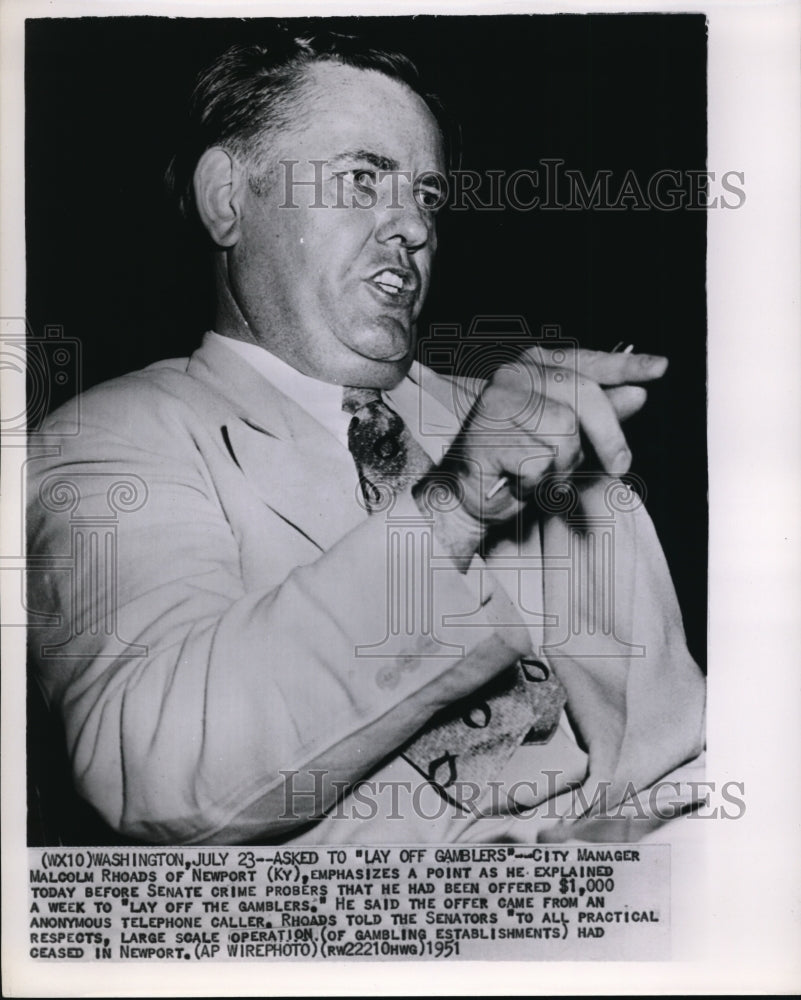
[{"x": 187, "y": 699}]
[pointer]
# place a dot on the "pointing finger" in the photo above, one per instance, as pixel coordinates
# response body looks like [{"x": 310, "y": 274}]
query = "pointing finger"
[{"x": 603, "y": 367}]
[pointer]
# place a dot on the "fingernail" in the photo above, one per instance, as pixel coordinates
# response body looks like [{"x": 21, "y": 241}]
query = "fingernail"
[
  {"x": 653, "y": 362},
  {"x": 621, "y": 462}
]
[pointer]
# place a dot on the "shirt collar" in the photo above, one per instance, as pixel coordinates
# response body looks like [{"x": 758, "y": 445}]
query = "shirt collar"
[{"x": 323, "y": 400}]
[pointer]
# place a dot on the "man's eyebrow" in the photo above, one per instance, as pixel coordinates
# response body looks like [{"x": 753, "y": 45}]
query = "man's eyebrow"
[{"x": 365, "y": 156}]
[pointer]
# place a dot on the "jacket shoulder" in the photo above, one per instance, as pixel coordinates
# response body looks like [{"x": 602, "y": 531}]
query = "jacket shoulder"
[{"x": 152, "y": 398}]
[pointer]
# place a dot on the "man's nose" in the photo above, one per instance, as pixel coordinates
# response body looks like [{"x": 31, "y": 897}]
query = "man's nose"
[{"x": 402, "y": 219}]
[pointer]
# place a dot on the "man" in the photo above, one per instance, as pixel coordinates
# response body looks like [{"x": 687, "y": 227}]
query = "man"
[{"x": 323, "y": 600}]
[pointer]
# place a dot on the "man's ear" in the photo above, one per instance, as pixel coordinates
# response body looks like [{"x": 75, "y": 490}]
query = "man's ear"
[{"x": 218, "y": 183}]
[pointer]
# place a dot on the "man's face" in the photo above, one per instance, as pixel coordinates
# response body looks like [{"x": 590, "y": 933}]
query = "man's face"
[{"x": 331, "y": 275}]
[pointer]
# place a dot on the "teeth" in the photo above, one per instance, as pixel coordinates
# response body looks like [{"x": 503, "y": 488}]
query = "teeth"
[{"x": 389, "y": 282}]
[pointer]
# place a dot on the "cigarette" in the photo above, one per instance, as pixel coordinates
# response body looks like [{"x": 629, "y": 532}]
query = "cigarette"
[{"x": 499, "y": 485}]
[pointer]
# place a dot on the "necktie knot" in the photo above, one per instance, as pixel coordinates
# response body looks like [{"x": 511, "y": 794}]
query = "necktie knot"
[{"x": 355, "y": 398}]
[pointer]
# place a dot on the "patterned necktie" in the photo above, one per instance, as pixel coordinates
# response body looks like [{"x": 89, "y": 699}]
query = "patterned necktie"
[
  {"x": 471, "y": 740},
  {"x": 387, "y": 457}
]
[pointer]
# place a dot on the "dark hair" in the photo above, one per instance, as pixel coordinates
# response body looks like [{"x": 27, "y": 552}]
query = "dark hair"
[{"x": 252, "y": 90}]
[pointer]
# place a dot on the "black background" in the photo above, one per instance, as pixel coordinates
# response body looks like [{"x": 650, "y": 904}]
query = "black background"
[{"x": 108, "y": 260}]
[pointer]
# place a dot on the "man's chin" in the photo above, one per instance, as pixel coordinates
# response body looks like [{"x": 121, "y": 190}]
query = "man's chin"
[
  {"x": 387, "y": 341},
  {"x": 374, "y": 373},
  {"x": 385, "y": 353}
]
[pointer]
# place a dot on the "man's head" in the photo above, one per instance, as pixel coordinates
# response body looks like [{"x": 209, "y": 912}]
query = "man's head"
[{"x": 315, "y": 177}]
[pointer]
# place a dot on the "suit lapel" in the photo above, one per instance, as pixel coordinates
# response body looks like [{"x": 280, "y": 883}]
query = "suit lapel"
[
  {"x": 310, "y": 483},
  {"x": 297, "y": 467}
]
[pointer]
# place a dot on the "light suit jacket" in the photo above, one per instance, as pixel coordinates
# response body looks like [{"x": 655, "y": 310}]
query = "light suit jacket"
[{"x": 215, "y": 593}]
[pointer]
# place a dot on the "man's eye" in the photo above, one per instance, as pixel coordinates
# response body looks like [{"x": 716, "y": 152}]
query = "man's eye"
[
  {"x": 363, "y": 178},
  {"x": 430, "y": 199}
]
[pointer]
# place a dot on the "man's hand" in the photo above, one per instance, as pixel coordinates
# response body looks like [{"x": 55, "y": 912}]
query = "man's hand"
[{"x": 534, "y": 417}]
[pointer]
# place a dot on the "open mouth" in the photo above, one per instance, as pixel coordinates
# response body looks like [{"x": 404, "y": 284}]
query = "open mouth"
[{"x": 394, "y": 284}]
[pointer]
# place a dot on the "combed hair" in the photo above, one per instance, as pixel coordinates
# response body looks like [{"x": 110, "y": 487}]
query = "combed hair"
[{"x": 253, "y": 90}]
